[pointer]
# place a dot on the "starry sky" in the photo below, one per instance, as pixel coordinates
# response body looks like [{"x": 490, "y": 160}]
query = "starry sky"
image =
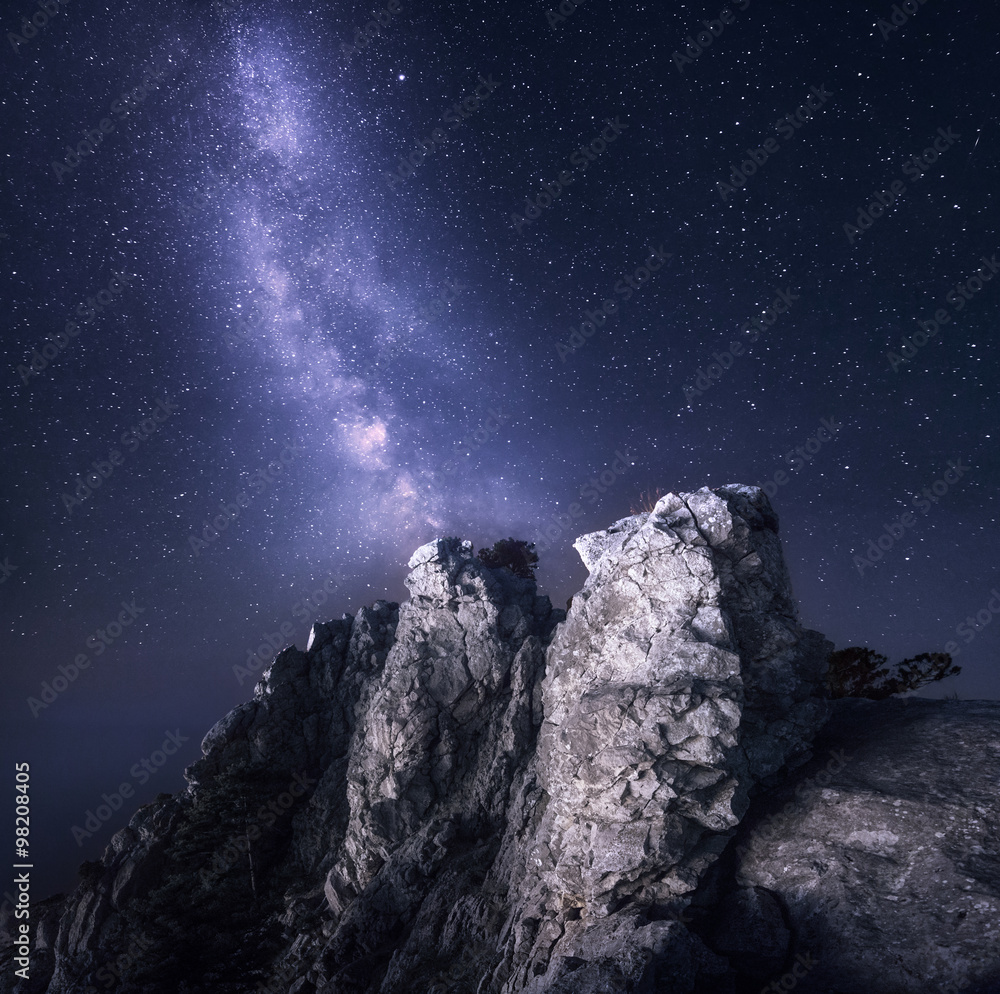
[{"x": 292, "y": 289}]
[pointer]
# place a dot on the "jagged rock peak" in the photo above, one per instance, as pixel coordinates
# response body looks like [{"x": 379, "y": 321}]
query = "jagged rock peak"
[
  {"x": 477, "y": 791},
  {"x": 680, "y": 680}
]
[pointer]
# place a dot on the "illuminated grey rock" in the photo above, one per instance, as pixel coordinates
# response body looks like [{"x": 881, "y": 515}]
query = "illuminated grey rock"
[{"x": 502, "y": 798}]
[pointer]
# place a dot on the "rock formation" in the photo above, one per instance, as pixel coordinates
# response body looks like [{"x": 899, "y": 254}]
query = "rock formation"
[
  {"x": 474, "y": 792},
  {"x": 679, "y": 680},
  {"x": 879, "y": 861}
]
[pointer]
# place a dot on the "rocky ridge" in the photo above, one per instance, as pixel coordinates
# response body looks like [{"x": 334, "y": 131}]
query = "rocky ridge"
[{"x": 475, "y": 792}]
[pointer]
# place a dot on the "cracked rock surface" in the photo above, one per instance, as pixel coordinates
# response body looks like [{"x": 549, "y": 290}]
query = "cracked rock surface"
[
  {"x": 679, "y": 680},
  {"x": 474, "y": 792}
]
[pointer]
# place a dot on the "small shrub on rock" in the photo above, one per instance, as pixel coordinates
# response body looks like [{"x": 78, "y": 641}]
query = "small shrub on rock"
[
  {"x": 647, "y": 501},
  {"x": 861, "y": 672},
  {"x": 514, "y": 553}
]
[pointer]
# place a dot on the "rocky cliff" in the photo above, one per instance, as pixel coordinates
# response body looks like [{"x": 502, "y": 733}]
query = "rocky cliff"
[{"x": 474, "y": 792}]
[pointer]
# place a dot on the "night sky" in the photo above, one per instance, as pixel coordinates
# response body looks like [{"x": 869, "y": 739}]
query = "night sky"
[{"x": 286, "y": 297}]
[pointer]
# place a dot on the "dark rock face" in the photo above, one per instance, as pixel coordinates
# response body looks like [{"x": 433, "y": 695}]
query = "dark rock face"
[
  {"x": 883, "y": 854},
  {"x": 473, "y": 792}
]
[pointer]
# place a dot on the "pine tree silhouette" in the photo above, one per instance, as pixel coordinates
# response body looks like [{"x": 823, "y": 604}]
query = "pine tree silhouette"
[
  {"x": 862, "y": 672},
  {"x": 517, "y": 555}
]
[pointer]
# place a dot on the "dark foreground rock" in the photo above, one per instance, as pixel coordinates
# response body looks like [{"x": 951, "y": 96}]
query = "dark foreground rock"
[
  {"x": 473, "y": 792},
  {"x": 878, "y": 862}
]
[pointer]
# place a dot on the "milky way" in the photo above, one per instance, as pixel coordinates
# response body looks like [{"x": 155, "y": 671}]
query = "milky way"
[{"x": 334, "y": 282}]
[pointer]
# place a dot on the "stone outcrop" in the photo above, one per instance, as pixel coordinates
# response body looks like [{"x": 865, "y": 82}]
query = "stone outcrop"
[
  {"x": 680, "y": 679},
  {"x": 877, "y": 863},
  {"x": 474, "y": 792}
]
